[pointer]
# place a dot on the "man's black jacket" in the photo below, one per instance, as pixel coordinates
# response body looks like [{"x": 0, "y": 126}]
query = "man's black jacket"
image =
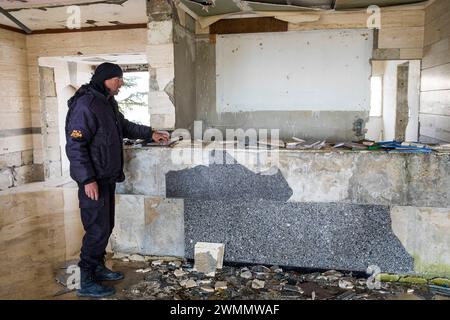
[{"x": 94, "y": 134}]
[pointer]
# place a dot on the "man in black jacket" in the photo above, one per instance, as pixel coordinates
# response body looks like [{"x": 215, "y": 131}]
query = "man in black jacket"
[{"x": 95, "y": 129}]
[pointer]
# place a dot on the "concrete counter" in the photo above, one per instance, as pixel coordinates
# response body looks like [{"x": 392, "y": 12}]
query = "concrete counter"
[
  {"x": 333, "y": 210},
  {"x": 357, "y": 177}
]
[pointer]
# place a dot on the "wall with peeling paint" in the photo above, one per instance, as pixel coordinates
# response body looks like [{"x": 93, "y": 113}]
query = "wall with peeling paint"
[
  {"x": 390, "y": 100},
  {"x": 58, "y": 16},
  {"x": 201, "y": 55},
  {"x": 185, "y": 93},
  {"x": 317, "y": 70},
  {"x": 331, "y": 125}
]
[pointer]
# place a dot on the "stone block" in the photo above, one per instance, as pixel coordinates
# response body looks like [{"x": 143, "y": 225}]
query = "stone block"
[
  {"x": 424, "y": 232},
  {"x": 160, "y": 55},
  {"x": 27, "y": 157},
  {"x": 23, "y": 175},
  {"x": 208, "y": 257},
  {"x": 160, "y": 32},
  {"x": 10, "y": 159},
  {"x": 6, "y": 179},
  {"x": 148, "y": 226}
]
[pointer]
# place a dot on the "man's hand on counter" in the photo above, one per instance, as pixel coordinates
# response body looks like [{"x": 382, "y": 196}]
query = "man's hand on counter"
[{"x": 160, "y": 136}]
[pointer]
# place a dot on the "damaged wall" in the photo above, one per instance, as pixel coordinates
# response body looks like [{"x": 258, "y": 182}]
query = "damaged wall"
[
  {"x": 285, "y": 71},
  {"x": 16, "y": 129},
  {"x": 387, "y": 198},
  {"x": 401, "y": 36},
  {"x": 184, "y": 62},
  {"x": 390, "y": 94},
  {"x": 435, "y": 95},
  {"x": 301, "y": 123},
  {"x": 160, "y": 53}
]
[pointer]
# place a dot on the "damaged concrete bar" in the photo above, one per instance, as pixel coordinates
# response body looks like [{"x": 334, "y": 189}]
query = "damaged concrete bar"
[{"x": 342, "y": 210}]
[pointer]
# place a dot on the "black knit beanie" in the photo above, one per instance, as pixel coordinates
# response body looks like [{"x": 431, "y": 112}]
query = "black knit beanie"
[{"x": 104, "y": 72}]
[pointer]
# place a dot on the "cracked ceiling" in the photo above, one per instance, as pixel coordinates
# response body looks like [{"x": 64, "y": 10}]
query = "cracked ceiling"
[{"x": 40, "y": 15}]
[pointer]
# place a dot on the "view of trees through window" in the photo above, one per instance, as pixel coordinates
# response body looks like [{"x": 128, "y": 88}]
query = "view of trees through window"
[{"x": 133, "y": 97}]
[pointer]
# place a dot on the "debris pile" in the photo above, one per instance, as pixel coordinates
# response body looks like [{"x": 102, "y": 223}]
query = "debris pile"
[{"x": 178, "y": 279}]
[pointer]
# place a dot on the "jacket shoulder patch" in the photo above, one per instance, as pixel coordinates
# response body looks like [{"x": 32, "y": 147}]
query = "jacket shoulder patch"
[{"x": 76, "y": 134}]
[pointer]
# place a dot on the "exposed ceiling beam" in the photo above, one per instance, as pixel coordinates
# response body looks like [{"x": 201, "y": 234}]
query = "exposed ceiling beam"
[
  {"x": 13, "y": 19},
  {"x": 17, "y": 5}
]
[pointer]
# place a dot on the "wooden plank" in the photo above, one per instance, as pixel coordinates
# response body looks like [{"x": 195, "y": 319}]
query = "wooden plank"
[
  {"x": 248, "y": 25},
  {"x": 15, "y": 104},
  {"x": 15, "y": 120},
  {"x": 10, "y": 71},
  {"x": 358, "y": 19},
  {"x": 436, "y": 54},
  {"x": 435, "y": 126},
  {"x": 122, "y": 40},
  {"x": 400, "y": 37},
  {"x": 436, "y": 78},
  {"x": 349, "y": 4},
  {"x": 435, "y": 102},
  {"x": 400, "y": 18},
  {"x": 200, "y": 30},
  {"x": 411, "y": 54},
  {"x": 436, "y": 9},
  {"x": 5, "y": 27},
  {"x": 13, "y": 56},
  {"x": 93, "y": 29},
  {"x": 15, "y": 88},
  {"x": 437, "y": 29}
]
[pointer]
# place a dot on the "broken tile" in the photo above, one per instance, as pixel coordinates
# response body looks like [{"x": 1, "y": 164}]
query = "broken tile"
[
  {"x": 179, "y": 273},
  {"x": 220, "y": 285},
  {"x": 246, "y": 275},
  {"x": 207, "y": 289},
  {"x": 345, "y": 284},
  {"x": 258, "y": 284}
]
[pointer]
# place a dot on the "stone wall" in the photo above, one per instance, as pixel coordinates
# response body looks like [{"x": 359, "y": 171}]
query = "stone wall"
[{"x": 16, "y": 129}]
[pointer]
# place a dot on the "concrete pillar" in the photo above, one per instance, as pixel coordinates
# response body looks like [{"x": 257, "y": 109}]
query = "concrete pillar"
[
  {"x": 160, "y": 53},
  {"x": 402, "y": 110},
  {"x": 50, "y": 129}
]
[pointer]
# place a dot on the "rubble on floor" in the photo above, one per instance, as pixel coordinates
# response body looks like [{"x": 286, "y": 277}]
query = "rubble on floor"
[{"x": 177, "y": 279}]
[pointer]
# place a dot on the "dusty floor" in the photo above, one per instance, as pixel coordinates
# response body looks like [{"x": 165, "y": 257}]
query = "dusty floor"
[
  {"x": 40, "y": 231},
  {"x": 176, "y": 280}
]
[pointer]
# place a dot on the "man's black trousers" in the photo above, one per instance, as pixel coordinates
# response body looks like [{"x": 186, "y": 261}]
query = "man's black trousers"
[{"x": 98, "y": 222}]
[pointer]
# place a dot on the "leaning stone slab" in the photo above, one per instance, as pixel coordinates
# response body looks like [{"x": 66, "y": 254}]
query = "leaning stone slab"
[
  {"x": 148, "y": 226},
  {"x": 208, "y": 257}
]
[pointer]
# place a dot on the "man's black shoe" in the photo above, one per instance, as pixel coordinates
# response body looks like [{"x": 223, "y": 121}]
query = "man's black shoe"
[
  {"x": 102, "y": 273},
  {"x": 89, "y": 288}
]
